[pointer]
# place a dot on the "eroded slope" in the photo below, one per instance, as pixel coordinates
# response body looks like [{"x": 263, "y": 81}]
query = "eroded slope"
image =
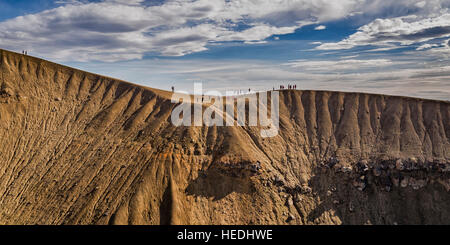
[{"x": 78, "y": 148}]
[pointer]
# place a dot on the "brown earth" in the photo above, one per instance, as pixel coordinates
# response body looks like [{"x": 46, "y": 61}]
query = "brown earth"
[{"x": 79, "y": 148}]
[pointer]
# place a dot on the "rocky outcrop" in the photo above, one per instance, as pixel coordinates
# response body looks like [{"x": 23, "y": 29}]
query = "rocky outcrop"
[{"x": 79, "y": 148}]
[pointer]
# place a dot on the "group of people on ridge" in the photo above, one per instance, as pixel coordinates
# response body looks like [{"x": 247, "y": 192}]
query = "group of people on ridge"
[{"x": 289, "y": 87}]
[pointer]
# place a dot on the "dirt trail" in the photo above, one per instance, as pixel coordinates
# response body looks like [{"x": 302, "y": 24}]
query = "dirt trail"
[{"x": 79, "y": 148}]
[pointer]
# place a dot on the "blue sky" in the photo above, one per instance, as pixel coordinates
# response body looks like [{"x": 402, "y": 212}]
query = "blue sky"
[{"x": 378, "y": 46}]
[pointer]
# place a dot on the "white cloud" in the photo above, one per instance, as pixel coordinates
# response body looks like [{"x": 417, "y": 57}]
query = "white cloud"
[
  {"x": 319, "y": 28},
  {"x": 257, "y": 33},
  {"x": 404, "y": 30},
  {"x": 118, "y": 30},
  {"x": 327, "y": 66},
  {"x": 121, "y": 29},
  {"x": 372, "y": 75},
  {"x": 438, "y": 51},
  {"x": 114, "y": 30},
  {"x": 426, "y": 46},
  {"x": 421, "y": 4}
]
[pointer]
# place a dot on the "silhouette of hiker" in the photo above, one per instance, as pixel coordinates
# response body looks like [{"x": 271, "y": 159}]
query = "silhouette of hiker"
[{"x": 173, "y": 88}]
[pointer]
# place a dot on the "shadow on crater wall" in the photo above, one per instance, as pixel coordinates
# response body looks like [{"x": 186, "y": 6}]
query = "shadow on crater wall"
[
  {"x": 375, "y": 205},
  {"x": 214, "y": 183}
]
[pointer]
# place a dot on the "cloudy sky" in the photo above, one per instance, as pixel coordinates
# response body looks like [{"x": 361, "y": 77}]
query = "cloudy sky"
[{"x": 397, "y": 47}]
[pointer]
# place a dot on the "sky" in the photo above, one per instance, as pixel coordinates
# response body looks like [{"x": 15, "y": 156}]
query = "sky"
[{"x": 397, "y": 47}]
